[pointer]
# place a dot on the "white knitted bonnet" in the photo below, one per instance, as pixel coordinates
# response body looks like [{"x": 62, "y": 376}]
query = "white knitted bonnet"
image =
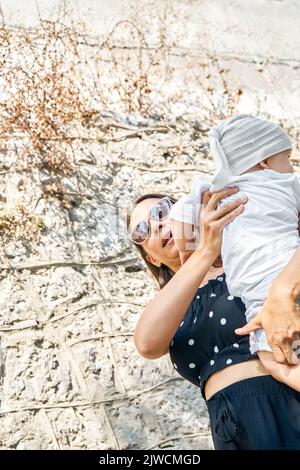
[{"x": 241, "y": 142}]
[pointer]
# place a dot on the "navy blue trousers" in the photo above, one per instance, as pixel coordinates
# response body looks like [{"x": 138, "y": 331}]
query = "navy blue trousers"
[{"x": 259, "y": 413}]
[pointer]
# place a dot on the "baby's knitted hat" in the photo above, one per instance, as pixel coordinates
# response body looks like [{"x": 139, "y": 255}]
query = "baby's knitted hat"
[{"x": 241, "y": 142}]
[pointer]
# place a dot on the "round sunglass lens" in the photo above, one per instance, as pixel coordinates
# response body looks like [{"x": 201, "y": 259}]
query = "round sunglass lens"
[
  {"x": 160, "y": 210},
  {"x": 141, "y": 232}
]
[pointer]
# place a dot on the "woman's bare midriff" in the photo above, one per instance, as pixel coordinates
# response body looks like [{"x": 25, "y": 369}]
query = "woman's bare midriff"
[{"x": 232, "y": 374}]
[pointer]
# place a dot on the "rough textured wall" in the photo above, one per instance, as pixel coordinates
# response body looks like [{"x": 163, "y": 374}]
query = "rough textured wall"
[{"x": 70, "y": 375}]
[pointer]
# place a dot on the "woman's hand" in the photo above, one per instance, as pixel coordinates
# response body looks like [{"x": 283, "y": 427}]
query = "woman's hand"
[{"x": 212, "y": 220}]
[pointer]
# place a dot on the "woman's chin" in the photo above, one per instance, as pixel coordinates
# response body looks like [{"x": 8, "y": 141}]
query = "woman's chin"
[{"x": 171, "y": 249}]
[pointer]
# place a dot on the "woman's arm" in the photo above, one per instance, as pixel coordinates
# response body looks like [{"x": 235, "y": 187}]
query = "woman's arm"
[
  {"x": 161, "y": 318},
  {"x": 280, "y": 314}
]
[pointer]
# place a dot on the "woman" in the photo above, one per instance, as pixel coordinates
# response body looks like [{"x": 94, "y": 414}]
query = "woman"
[{"x": 193, "y": 317}]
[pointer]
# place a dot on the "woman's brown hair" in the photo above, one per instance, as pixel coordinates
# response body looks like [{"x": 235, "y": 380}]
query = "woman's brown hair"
[{"x": 163, "y": 273}]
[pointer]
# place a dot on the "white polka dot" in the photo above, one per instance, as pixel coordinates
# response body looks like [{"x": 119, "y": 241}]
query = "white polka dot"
[
  {"x": 216, "y": 349},
  {"x": 172, "y": 342},
  {"x": 230, "y": 297},
  {"x": 211, "y": 313},
  {"x": 198, "y": 297},
  {"x": 192, "y": 365},
  {"x": 213, "y": 295},
  {"x": 220, "y": 278},
  {"x": 229, "y": 361},
  {"x": 181, "y": 323},
  {"x": 175, "y": 365},
  {"x": 199, "y": 377},
  {"x": 212, "y": 362},
  {"x": 191, "y": 342},
  {"x": 236, "y": 345},
  {"x": 223, "y": 321},
  {"x": 195, "y": 320}
]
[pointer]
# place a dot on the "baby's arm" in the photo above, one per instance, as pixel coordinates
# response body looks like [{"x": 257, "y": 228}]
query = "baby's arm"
[
  {"x": 183, "y": 235},
  {"x": 288, "y": 374}
]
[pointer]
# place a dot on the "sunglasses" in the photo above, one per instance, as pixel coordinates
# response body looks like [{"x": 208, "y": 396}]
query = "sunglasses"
[{"x": 159, "y": 211}]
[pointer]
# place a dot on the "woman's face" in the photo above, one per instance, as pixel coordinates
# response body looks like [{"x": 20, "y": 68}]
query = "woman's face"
[{"x": 159, "y": 246}]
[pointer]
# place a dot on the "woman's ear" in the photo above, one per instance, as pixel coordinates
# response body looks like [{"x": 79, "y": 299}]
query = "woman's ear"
[{"x": 153, "y": 261}]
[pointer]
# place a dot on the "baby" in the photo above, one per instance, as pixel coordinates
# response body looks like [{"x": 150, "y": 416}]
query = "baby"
[{"x": 252, "y": 154}]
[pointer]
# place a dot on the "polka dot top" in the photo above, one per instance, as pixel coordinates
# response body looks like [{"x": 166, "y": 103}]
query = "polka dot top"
[{"x": 205, "y": 341}]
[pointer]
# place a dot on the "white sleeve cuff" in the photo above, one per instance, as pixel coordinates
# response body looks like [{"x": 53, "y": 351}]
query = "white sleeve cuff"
[{"x": 258, "y": 341}]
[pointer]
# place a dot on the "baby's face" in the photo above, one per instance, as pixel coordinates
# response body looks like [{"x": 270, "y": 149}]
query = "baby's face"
[{"x": 281, "y": 162}]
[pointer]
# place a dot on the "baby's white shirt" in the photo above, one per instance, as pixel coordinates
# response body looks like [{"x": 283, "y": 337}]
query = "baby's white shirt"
[{"x": 259, "y": 243}]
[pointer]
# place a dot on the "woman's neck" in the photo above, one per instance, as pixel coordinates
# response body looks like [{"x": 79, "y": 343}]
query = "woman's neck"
[{"x": 212, "y": 273}]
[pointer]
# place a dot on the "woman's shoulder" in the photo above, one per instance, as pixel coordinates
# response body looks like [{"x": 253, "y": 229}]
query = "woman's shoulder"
[{"x": 213, "y": 290}]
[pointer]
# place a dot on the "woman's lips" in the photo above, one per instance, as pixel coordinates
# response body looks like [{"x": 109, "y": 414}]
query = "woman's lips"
[{"x": 167, "y": 238}]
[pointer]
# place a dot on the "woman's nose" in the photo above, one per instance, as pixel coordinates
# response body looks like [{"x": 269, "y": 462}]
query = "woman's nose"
[{"x": 156, "y": 228}]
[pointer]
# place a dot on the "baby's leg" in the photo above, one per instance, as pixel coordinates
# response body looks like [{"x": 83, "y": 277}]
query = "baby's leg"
[{"x": 290, "y": 375}]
